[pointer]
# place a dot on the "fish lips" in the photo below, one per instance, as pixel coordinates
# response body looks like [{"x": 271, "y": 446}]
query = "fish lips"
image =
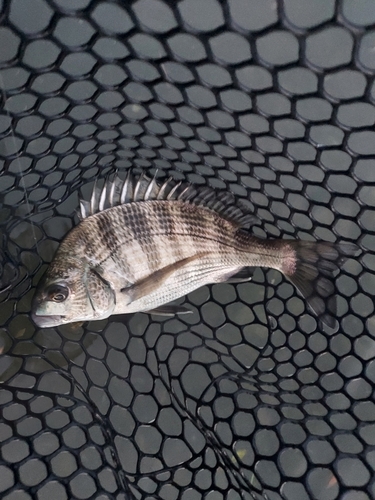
[{"x": 44, "y": 321}]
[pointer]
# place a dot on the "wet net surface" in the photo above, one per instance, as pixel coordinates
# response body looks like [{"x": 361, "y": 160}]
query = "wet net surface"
[{"x": 247, "y": 397}]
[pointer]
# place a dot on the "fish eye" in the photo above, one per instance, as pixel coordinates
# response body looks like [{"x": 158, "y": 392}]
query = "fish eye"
[{"x": 58, "y": 293}]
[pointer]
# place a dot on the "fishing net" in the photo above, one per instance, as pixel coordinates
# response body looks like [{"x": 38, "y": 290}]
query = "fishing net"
[{"x": 248, "y": 397}]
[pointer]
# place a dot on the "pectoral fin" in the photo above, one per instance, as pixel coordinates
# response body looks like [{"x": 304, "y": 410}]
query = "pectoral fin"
[
  {"x": 155, "y": 280},
  {"x": 170, "y": 310}
]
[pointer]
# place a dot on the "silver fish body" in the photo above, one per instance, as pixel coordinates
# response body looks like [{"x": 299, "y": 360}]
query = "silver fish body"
[{"x": 141, "y": 250}]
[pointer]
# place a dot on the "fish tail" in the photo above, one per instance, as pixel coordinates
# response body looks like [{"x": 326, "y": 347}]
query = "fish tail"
[{"x": 311, "y": 267}]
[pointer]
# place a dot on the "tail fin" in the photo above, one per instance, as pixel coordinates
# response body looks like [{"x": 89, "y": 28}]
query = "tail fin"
[{"x": 313, "y": 274}]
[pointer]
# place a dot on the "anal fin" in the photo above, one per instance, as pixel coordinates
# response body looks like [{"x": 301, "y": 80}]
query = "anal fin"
[
  {"x": 246, "y": 274},
  {"x": 169, "y": 310}
]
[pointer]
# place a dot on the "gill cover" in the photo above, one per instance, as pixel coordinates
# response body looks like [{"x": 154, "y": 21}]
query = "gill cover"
[{"x": 100, "y": 293}]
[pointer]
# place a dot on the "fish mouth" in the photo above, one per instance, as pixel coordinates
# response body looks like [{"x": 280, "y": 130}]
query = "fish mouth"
[{"x": 46, "y": 321}]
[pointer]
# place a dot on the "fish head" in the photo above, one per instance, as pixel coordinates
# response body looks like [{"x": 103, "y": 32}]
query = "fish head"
[{"x": 77, "y": 294}]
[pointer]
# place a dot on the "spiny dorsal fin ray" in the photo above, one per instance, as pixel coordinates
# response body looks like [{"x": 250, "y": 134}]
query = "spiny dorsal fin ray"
[
  {"x": 85, "y": 209},
  {"x": 116, "y": 191}
]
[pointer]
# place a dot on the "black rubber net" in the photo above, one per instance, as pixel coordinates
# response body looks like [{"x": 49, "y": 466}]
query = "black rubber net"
[{"x": 248, "y": 397}]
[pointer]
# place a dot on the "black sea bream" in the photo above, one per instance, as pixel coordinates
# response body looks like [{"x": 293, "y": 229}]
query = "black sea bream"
[{"x": 140, "y": 246}]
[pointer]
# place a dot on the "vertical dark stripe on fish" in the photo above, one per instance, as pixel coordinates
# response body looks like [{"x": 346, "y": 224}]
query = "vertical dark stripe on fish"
[
  {"x": 166, "y": 222},
  {"x": 142, "y": 225},
  {"x": 92, "y": 239},
  {"x": 112, "y": 235},
  {"x": 107, "y": 234},
  {"x": 168, "y": 226}
]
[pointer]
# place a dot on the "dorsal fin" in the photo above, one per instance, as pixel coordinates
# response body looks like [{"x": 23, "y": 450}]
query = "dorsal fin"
[{"x": 116, "y": 191}]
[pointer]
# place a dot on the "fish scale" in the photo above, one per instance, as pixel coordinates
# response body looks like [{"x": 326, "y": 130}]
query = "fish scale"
[
  {"x": 179, "y": 228},
  {"x": 142, "y": 245}
]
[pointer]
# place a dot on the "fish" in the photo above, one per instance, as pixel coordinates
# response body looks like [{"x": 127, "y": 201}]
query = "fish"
[{"x": 142, "y": 244}]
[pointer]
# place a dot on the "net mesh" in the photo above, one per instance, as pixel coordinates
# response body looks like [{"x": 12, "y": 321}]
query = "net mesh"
[{"x": 247, "y": 397}]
